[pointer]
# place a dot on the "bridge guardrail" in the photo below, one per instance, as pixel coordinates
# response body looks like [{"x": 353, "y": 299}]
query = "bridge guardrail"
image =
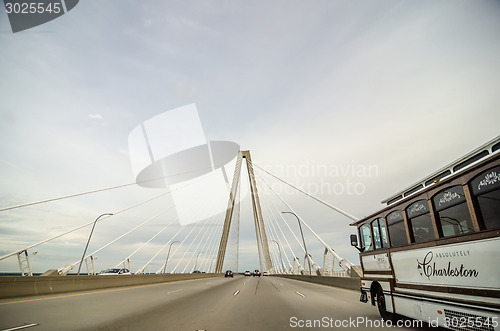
[
  {"x": 353, "y": 283},
  {"x": 18, "y": 286}
]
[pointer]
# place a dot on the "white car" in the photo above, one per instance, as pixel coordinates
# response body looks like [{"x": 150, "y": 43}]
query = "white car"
[
  {"x": 115, "y": 271},
  {"x": 265, "y": 273}
]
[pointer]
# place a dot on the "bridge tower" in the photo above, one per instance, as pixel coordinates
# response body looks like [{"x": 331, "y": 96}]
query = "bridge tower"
[{"x": 260, "y": 230}]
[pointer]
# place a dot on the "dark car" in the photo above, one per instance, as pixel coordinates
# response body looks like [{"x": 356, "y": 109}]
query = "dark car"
[
  {"x": 229, "y": 273},
  {"x": 256, "y": 273}
]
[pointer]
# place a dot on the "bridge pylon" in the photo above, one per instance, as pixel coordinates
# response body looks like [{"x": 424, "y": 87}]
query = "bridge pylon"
[{"x": 260, "y": 230}]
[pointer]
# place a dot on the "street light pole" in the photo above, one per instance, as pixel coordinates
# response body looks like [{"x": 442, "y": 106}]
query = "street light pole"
[
  {"x": 303, "y": 240},
  {"x": 88, "y": 241},
  {"x": 281, "y": 258},
  {"x": 166, "y": 261},
  {"x": 211, "y": 264},
  {"x": 196, "y": 263}
]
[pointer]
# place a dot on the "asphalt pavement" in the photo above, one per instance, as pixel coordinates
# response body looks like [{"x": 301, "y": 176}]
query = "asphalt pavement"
[{"x": 215, "y": 304}]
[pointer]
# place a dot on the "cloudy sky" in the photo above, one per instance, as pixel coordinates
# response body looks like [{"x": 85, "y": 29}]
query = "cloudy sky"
[{"x": 397, "y": 89}]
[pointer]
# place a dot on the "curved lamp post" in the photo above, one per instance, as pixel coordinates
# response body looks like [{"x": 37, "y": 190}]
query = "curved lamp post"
[
  {"x": 281, "y": 258},
  {"x": 303, "y": 240},
  {"x": 166, "y": 261},
  {"x": 196, "y": 263},
  {"x": 88, "y": 241}
]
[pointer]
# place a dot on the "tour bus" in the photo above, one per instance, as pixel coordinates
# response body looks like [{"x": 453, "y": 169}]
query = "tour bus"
[{"x": 433, "y": 252}]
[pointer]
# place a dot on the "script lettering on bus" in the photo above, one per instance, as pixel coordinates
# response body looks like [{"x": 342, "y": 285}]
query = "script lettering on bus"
[
  {"x": 417, "y": 207},
  {"x": 430, "y": 269},
  {"x": 449, "y": 196},
  {"x": 489, "y": 179}
]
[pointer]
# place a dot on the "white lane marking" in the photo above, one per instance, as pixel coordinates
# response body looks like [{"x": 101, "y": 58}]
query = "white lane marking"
[
  {"x": 236, "y": 293},
  {"x": 174, "y": 291},
  {"x": 21, "y": 327},
  {"x": 302, "y": 295},
  {"x": 281, "y": 284},
  {"x": 244, "y": 284}
]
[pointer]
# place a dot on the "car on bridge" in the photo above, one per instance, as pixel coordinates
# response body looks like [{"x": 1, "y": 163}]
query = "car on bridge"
[
  {"x": 115, "y": 271},
  {"x": 265, "y": 273},
  {"x": 229, "y": 273},
  {"x": 256, "y": 273},
  {"x": 248, "y": 273}
]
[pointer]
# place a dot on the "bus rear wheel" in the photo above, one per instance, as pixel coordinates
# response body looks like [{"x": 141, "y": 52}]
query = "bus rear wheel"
[{"x": 382, "y": 309}]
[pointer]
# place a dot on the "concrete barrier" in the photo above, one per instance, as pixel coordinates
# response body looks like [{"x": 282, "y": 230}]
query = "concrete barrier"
[
  {"x": 17, "y": 286},
  {"x": 343, "y": 282}
]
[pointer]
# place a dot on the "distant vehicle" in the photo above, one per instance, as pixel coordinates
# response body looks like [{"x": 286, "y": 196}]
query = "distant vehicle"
[
  {"x": 265, "y": 273},
  {"x": 115, "y": 271},
  {"x": 248, "y": 273},
  {"x": 197, "y": 272},
  {"x": 256, "y": 273},
  {"x": 229, "y": 273}
]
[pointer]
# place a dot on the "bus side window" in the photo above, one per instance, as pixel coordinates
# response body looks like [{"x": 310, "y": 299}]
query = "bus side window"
[
  {"x": 383, "y": 233},
  {"x": 397, "y": 230},
  {"x": 486, "y": 192},
  {"x": 420, "y": 221},
  {"x": 366, "y": 238},
  {"x": 452, "y": 214},
  {"x": 379, "y": 233},
  {"x": 376, "y": 234}
]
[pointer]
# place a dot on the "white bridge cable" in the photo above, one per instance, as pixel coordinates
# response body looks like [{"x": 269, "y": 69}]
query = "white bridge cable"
[
  {"x": 92, "y": 222},
  {"x": 214, "y": 249},
  {"x": 202, "y": 240},
  {"x": 94, "y": 191},
  {"x": 71, "y": 266},
  {"x": 206, "y": 248},
  {"x": 210, "y": 248},
  {"x": 279, "y": 227},
  {"x": 274, "y": 234},
  {"x": 284, "y": 221},
  {"x": 344, "y": 263},
  {"x": 141, "y": 270},
  {"x": 308, "y": 257},
  {"x": 145, "y": 243},
  {"x": 189, "y": 247},
  {"x": 272, "y": 239},
  {"x": 180, "y": 245},
  {"x": 312, "y": 196},
  {"x": 206, "y": 224}
]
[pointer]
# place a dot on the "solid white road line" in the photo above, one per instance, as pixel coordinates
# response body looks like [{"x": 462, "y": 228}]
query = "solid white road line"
[
  {"x": 302, "y": 295},
  {"x": 236, "y": 293},
  {"x": 21, "y": 327},
  {"x": 174, "y": 291}
]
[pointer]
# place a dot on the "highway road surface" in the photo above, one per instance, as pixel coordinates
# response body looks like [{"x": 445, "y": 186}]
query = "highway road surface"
[{"x": 214, "y": 304}]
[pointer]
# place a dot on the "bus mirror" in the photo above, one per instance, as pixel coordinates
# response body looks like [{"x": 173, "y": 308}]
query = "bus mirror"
[{"x": 354, "y": 240}]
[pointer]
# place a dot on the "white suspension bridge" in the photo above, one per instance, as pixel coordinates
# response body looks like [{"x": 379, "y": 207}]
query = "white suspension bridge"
[{"x": 279, "y": 232}]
